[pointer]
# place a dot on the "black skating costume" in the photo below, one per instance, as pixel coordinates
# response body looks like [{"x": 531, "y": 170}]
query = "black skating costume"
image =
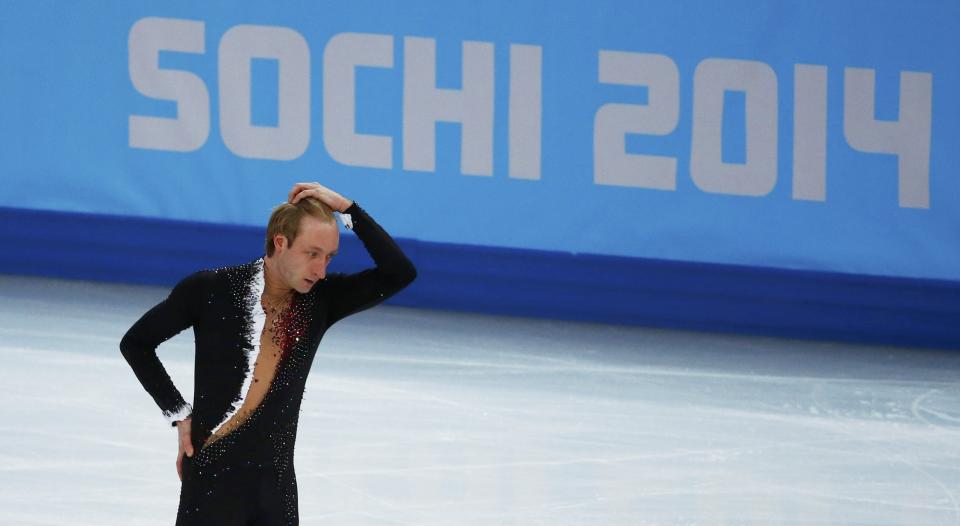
[{"x": 247, "y": 476}]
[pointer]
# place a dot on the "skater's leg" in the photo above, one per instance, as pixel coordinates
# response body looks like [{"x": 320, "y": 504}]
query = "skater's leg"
[
  {"x": 272, "y": 508},
  {"x": 207, "y": 500}
]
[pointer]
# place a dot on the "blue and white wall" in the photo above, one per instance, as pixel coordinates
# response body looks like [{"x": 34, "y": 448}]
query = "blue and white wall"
[{"x": 673, "y": 163}]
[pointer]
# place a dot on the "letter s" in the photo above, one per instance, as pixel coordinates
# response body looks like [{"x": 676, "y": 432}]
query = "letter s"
[{"x": 189, "y": 130}]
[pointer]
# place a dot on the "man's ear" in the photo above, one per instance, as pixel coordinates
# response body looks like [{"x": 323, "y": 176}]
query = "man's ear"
[{"x": 279, "y": 241}]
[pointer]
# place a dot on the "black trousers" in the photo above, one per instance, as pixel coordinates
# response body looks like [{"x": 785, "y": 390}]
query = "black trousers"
[{"x": 243, "y": 494}]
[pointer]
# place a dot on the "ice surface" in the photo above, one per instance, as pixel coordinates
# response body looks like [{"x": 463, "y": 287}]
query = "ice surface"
[{"x": 420, "y": 417}]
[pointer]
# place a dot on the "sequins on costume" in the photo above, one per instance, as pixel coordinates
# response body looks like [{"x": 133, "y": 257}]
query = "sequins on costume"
[{"x": 249, "y": 468}]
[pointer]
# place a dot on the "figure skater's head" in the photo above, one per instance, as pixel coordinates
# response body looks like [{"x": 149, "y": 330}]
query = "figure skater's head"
[{"x": 301, "y": 240}]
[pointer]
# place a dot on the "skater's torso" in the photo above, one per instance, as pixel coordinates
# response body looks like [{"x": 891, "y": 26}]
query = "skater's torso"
[
  {"x": 251, "y": 366},
  {"x": 264, "y": 371}
]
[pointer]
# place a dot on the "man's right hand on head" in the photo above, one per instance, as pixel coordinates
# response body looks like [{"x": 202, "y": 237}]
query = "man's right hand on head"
[{"x": 184, "y": 445}]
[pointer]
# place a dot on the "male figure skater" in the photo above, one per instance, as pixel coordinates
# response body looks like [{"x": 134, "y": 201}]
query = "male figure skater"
[{"x": 257, "y": 326}]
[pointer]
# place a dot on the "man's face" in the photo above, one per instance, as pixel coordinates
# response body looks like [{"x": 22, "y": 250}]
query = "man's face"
[{"x": 303, "y": 263}]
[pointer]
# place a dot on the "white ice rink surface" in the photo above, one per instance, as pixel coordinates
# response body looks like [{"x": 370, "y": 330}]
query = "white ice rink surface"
[{"x": 424, "y": 418}]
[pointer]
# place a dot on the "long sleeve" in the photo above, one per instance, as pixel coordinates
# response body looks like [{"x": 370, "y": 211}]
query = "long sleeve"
[
  {"x": 139, "y": 345},
  {"x": 350, "y": 293}
]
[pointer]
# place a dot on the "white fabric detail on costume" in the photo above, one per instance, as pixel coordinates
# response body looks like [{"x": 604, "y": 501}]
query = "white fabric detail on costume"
[
  {"x": 346, "y": 220},
  {"x": 173, "y": 416},
  {"x": 257, "y": 320}
]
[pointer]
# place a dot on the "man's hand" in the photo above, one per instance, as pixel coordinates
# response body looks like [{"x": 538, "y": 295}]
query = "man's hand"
[
  {"x": 184, "y": 443},
  {"x": 324, "y": 194}
]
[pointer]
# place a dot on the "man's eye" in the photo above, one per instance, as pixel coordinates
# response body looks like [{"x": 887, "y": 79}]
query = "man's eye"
[{"x": 313, "y": 254}]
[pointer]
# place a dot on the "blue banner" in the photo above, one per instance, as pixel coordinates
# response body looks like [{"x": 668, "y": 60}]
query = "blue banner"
[{"x": 819, "y": 135}]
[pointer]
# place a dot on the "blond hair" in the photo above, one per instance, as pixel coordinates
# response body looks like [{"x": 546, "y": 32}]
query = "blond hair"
[{"x": 285, "y": 219}]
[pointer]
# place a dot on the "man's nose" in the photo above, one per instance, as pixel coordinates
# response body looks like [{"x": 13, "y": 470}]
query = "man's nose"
[{"x": 321, "y": 270}]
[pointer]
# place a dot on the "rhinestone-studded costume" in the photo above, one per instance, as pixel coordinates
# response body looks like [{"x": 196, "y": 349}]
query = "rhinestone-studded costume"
[{"x": 246, "y": 475}]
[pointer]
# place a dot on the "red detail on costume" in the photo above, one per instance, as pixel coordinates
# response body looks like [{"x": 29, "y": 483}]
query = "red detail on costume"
[{"x": 291, "y": 326}]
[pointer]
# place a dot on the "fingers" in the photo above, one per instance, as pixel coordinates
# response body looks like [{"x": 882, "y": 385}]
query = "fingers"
[
  {"x": 297, "y": 188},
  {"x": 308, "y": 192},
  {"x": 186, "y": 445},
  {"x": 325, "y": 195},
  {"x": 180, "y": 466},
  {"x": 301, "y": 190},
  {"x": 300, "y": 195},
  {"x": 185, "y": 442},
  {"x": 294, "y": 191}
]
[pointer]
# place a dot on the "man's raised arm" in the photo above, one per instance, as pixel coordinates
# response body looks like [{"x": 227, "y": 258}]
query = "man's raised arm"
[{"x": 352, "y": 293}]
